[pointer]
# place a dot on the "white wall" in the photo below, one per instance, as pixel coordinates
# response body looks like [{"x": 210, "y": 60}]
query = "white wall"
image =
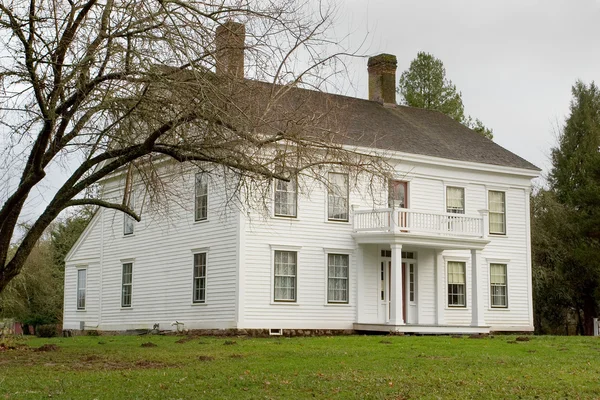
[{"x": 161, "y": 250}]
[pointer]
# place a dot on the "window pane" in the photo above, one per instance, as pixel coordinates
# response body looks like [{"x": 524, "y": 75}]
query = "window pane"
[
  {"x": 285, "y": 198},
  {"x": 201, "y": 197},
  {"x": 456, "y": 284},
  {"x": 455, "y": 200},
  {"x": 496, "y": 205},
  {"x": 338, "y": 272},
  {"x": 127, "y": 285},
  {"x": 199, "y": 280},
  {"x": 285, "y": 276},
  {"x": 128, "y": 221},
  {"x": 338, "y": 197},
  {"x": 498, "y": 288},
  {"x": 81, "y": 288}
]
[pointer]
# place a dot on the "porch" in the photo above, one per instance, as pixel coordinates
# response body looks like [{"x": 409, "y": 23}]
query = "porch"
[
  {"x": 423, "y": 329},
  {"x": 404, "y": 283}
]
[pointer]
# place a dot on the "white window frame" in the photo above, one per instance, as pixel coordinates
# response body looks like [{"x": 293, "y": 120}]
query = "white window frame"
[
  {"x": 288, "y": 248},
  {"x": 201, "y": 182},
  {"x": 505, "y": 264},
  {"x": 198, "y": 279},
  {"x": 123, "y": 284},
  {"x": 329, "y": 277},
  {"x": 490, "y": 212},
  {"x": 448, "y": 294},
  {"x": 128, "y": 220},
  {"x": 293, "y": 183},
  {"x": 412, "y": 281},
  {"x": 333, "y": 198},
  {"x": 79, "y": 289},
  {"x": 464, "y": 199}
]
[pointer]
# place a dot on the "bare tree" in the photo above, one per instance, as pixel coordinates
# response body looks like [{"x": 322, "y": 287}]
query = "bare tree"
[{"x": 106, "y": 86}]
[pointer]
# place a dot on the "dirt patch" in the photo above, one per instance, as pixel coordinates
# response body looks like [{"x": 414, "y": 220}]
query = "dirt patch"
[
  {"x": 186, "y": 339},
  {"x": 206, "y": 358},
  {"x": 237, "y": 356},
  {"x": 385, "y": 342},
  {"x": 229, "y": 342},
  {"x": 522, "y": 339},
  {"x": 149, "y": 344},
  {"x": 48, "y": 347},
  {"x": 456, "y": 336}
]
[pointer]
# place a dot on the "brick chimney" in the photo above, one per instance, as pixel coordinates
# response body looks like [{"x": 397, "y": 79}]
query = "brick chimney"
[
  {"x": 382, "y": 78},
  {"x": 229, "y": 54}
]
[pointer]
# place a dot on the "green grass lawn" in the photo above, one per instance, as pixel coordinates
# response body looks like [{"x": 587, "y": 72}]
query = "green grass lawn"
[{"x": 365, "y": 367}]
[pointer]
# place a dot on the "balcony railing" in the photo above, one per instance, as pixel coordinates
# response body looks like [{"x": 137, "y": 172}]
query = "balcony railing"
[{"x": 406, "y": 221}]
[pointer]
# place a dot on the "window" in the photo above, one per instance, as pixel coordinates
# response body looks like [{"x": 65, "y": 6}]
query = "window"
[
  {"x": 126, "y": 285},
  {"x": 456, "y": 284},
  {"x": 455, "y": 200},
  {"x": 411, "y": 282},
  {"x": 199, "y": 290},
  {"x": 128, "y": 221},
  {"x": 201, "y": 197},
  {"x": 81, "y": 287},
  {"x": 397, "y": 194},
  {"x": 337, "y": 278},
  {"x": 285, "y": 198},
  {"x": 497, "y": 207},
  {"x": 499, "y": 296},
  {"x": 285, "y": 276},
  {"x": 338, "y": 197}
]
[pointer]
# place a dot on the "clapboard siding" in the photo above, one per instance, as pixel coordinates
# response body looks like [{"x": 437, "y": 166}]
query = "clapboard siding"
[
  {"x": 240, "y": 248},
  {"x": 161, "y": 250}
]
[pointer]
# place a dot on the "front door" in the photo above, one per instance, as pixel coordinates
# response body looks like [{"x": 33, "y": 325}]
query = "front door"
[{"x": 409, "y": 288}]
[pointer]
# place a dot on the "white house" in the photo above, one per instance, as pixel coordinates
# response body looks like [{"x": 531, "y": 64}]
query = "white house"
[{"x": 444, "y": 247}]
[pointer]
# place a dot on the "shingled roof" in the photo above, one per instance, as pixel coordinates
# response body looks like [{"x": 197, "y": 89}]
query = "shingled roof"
[{"x": 418, "y": 131}]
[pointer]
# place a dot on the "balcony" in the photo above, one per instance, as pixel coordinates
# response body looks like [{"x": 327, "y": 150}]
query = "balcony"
[{"x": 385, "y": 224}]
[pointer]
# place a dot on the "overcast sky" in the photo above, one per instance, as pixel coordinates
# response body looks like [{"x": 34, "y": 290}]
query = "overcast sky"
[{"x": 514, "y": 61}]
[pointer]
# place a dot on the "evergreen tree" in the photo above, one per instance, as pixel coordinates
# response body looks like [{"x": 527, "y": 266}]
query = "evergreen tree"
[
  {"x": 424, "y": 85},
  {"x": 575, "y": 179}
]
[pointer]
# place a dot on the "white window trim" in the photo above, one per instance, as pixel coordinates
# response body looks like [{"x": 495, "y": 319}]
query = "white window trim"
[
  {"x": 489, "y": 283},
  {"x": 283, "y": 247},
  {"x": 487, "y": 206},
  {"x": 132, "y": 262},
  {"x": 350, "y": 254},
  {"x": 273, "y": 191},
  {"x": 205, "y": 176},
  {"x": 77, "y": 269},
  {"x": 194, "y": 252},
  {"x": 349, "y": 208},
  {"x": 467, "y": 294}
]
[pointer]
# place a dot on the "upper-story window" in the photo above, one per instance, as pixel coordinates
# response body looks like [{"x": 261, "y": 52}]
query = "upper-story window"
[
  {"x": 455, "y": 200},
  {"x": 286, "y": 197},
  {"x": 338, "y": 197},
  {"x": 128, "y": 220},
  {"x": 398, "y": 194},
  {"x": 201, "y": 197},
  {"x": 497, "y": 207}
]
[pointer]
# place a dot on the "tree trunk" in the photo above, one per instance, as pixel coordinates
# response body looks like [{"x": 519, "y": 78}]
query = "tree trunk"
[{"x": 589, "y": 313}]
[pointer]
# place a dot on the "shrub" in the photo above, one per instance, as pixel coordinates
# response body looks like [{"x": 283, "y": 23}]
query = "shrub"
[
  {"x": 92, "y": 333},
  {"x": 46, "y": 331}
]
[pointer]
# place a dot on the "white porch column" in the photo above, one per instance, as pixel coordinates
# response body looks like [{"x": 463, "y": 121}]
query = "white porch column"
[
  {"x": 360, "y": 283},
  {"x": 396, "y": 301},
  {"x": 440, "y": 289},
  {"x": 477, "y": 302}
]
